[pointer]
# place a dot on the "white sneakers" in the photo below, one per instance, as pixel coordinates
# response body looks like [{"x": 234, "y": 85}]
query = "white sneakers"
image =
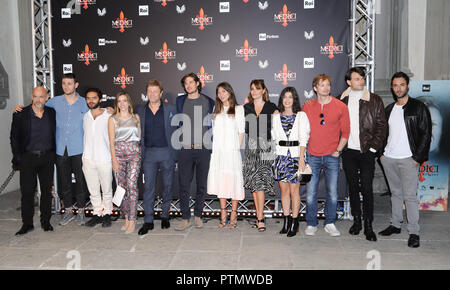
[
  {"x": 310, "y": 230},
  {"x": 332, "y": 230},
  {"x": 329, "y": 228}
]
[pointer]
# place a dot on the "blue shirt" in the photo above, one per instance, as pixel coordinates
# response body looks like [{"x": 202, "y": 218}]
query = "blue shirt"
[
  {"x": 155, "y": 132},
  {"x": 69, "y": 124}
]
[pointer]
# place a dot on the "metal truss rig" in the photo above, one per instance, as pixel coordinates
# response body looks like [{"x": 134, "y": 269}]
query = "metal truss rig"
[
  {"x": 42, "y": 44},
  {"x": 363, "y": 38},
  {"x": 211, "y": 209}
]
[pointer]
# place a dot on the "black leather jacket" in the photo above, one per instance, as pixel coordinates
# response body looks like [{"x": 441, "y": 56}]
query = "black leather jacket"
[
  {"x": 372, "y": 121},
  {"x": 418, "y": 127}
]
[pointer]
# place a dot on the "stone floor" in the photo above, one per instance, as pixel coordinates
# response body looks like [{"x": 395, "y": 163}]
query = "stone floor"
[{"x": 242, "y": 248}]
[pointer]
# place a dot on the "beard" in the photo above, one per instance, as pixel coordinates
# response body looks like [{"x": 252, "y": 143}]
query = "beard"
[
  {"x": 401, "y": 96},
  {"x": 94, "y": 105}
]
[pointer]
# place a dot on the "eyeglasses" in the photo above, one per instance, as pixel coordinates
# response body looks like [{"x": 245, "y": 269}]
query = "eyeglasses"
[{"x": 322, "y": 122}]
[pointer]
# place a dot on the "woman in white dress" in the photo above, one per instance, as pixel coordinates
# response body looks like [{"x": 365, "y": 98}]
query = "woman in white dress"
[{"x": 225, "y": 177}]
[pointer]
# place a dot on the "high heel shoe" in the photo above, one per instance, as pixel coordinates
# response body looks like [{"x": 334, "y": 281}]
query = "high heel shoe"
[
  {"x": 262, "y": 228},
  {"x": 286, "y": 224},
  {"x": 233, "y": 222},
  {"x": 125, "y": 225},
  {"x": 293, "y": 229},
  {"x": 223, "y": 219},
  {"x": 131, "y": 227}
]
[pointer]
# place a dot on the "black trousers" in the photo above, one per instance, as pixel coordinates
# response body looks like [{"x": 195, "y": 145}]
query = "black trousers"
[
  {"x": 33, "y": 166},
  {"x": 65, "y": 165},
  {"x": 359, "y": 169},
  {"x": 190, "y": 159}
]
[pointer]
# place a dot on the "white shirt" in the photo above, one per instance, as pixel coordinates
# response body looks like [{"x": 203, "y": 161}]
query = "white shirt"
[
  {"x": 398, "y": 145},
  {"x": 353, "y": 110},
  {"x": 96, "y": 139}
]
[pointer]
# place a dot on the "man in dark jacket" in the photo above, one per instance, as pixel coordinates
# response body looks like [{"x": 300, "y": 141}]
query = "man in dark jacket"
[
  {"x": 158, "y": 152},
  {"x": 195, "y": 152},
  {"x": 408, "y": 144},
  {"x": 33, "y": 147},
  {"x": 367, "y": 134}
]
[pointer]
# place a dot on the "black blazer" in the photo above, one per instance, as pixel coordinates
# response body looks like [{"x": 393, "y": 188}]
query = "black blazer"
[{"x": 21, "y": 131}]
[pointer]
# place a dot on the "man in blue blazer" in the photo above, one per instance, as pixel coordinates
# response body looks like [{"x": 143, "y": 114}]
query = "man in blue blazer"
[{"x": 157, "y": 152}]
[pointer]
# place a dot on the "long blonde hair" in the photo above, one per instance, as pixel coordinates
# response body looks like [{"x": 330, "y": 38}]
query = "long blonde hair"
[
  {"x": 116, "y": 107},
  {"x": 130, "y": 103}
]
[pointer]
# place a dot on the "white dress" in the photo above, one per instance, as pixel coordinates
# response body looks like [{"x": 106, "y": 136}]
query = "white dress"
[{"x": 225, "y": 177}]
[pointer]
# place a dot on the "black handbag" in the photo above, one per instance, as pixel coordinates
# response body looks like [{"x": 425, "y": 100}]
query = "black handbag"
[{"x": 305, "y": 175}]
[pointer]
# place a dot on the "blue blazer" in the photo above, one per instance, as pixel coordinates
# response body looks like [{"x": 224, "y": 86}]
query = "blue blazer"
[{"x": 169, "y": 112}]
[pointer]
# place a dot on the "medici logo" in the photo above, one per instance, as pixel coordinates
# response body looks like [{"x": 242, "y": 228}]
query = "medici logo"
[
  {"x": 246, "y": 51},
  {"x": 331, "y": 48},
  {"x": 163, "y": 2},
  {"x": 85, "y": 3},
  {"x": 204, "y": 76},
  {"x": 201, "y": 20},
  {"x": 122, "y": 22},
  {"x": 87, "y": 55},
  {"x": 285, "y": 16},
  {"x": 123, "y": 79},
  {"x": 165, "y": 53},
  {"x": 285, "y": 75}
]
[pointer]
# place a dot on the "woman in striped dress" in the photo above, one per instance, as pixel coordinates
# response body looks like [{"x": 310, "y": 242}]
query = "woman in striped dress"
[{"x": 258, "y": 157}]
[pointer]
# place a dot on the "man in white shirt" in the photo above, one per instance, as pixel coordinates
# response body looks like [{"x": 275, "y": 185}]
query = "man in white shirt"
[
  {"x": 367, "y": 133},
  {"x": 408, "y": 145},
  {"x": 97, "y": 166}
]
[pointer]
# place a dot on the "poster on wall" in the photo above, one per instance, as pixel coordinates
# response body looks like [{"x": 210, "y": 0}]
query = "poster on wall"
[{"x": 434, "y": 173}]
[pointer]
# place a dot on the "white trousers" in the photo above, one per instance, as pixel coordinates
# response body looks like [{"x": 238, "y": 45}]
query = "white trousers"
[{"x": 99, "y": 174}]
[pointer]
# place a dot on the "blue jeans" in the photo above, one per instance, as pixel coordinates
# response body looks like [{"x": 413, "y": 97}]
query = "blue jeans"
[
  {"x": 157, "y": 158},
  {"x": 330, "y": 165}
]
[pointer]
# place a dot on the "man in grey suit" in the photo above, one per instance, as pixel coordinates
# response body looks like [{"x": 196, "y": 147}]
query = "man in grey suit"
[{"x": 157, "y": 152}]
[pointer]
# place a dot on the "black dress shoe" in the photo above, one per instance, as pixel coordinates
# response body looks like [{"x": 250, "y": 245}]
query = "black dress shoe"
[
  {"x": 25, "y": 229},
  {"x": 165, "y": 224},
  {"x": 356, "y": 227},
  {"x": 95, "y": 220},
  {"x": 47, "y": 227},
  {"x": 390, "y": 230},
  {"x": 413, "y": 241},
  {"x": 106, "y": 223},
  {"x": 145, "y": 228}
]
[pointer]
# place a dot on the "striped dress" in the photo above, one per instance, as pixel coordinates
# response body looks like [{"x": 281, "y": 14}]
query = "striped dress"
[{"x": 259, "y": 156}]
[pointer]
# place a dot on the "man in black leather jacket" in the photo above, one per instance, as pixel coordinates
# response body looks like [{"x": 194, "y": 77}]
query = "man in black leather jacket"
[{"x": 406, "y": 147}]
